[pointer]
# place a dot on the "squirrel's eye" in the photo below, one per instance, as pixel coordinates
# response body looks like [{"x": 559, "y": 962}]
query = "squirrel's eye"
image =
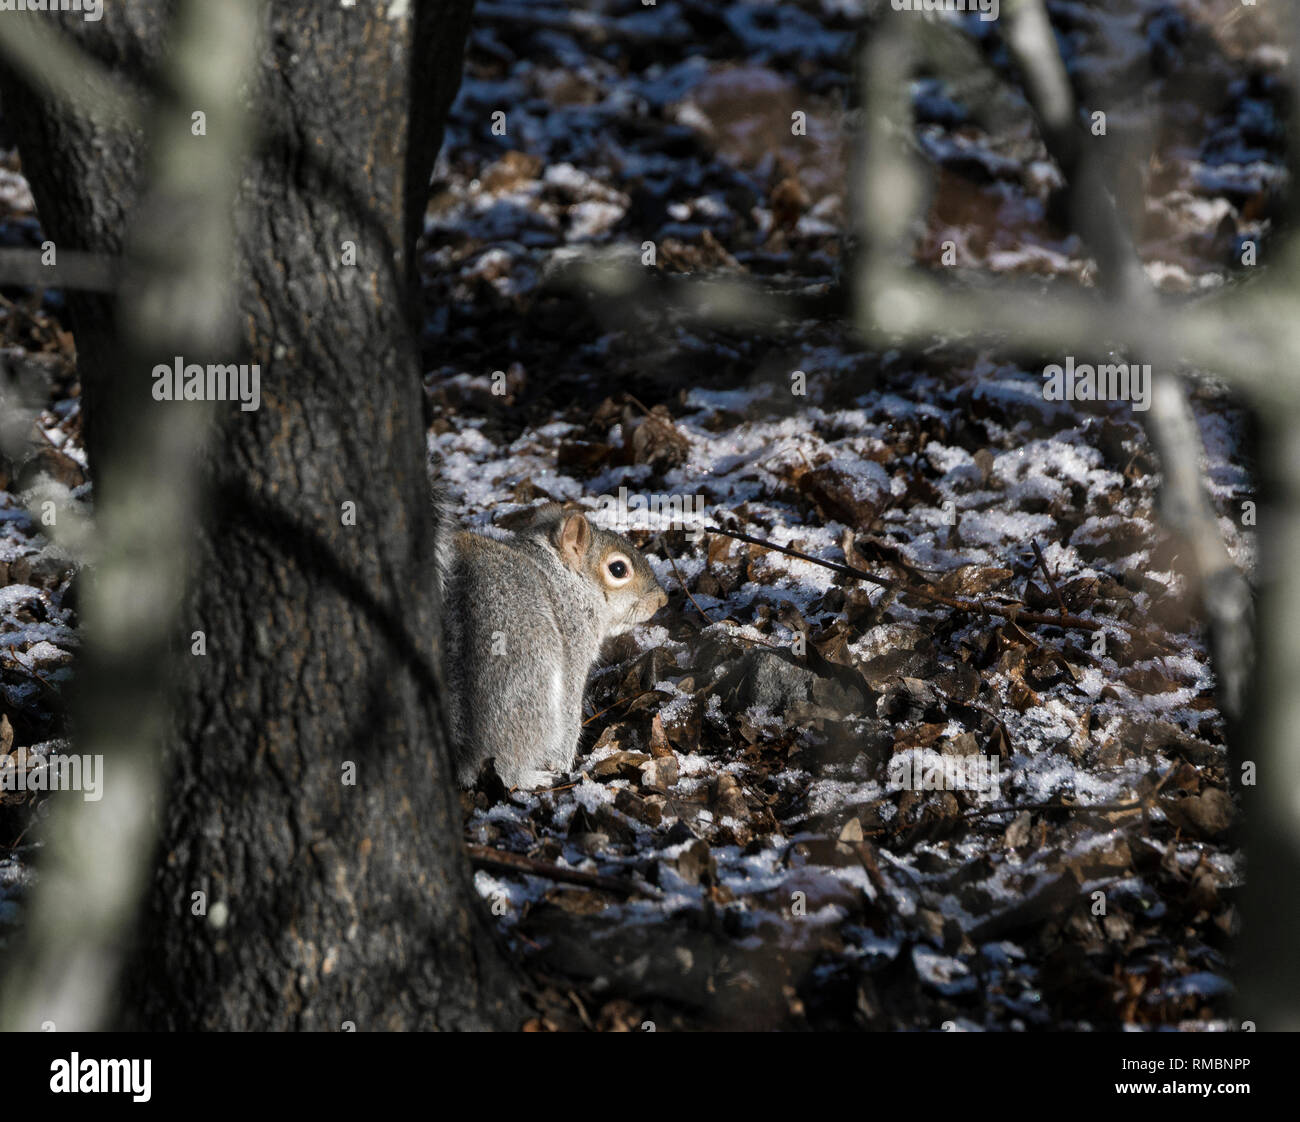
[{"x": 619, "y": 568}]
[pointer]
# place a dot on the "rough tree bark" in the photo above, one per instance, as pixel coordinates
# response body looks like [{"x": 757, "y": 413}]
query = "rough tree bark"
[{"x": 335, "y": 902}]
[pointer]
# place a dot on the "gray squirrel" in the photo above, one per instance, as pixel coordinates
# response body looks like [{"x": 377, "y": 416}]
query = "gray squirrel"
[{"x": 524, "y": 616}]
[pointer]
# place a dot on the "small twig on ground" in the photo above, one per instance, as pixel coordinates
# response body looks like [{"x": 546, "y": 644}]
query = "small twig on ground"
[
  {"x": 33, "y": 673},
  {"x": 682, "y": 581},
  {"x": 1051, "y": 583},
  {"x": 1090, "y": 808},
  {"x": 615, "y": 705},
  {"x": 548, "y": 790},
  {"x": 485, "y": 857},
  {"x": 1013, "y": 612},
  {"x": 1143, "y": 802}
]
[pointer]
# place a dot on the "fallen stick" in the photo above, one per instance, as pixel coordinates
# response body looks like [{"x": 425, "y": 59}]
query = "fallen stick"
[
  {"x": 1073, "y": 808},
  {"x": 485, "y": 857},
  {"x": 691, "y": 596},
  {"x": 1013, "y": 613},
  {"x": 1051, "y": 583}
]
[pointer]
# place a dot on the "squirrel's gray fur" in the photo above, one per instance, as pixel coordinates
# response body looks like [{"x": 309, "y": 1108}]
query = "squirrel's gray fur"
[{"x": 523, "y": 618}]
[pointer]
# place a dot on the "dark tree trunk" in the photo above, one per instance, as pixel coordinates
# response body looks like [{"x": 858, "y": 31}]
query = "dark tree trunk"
[{"x": 342, "y": 902}]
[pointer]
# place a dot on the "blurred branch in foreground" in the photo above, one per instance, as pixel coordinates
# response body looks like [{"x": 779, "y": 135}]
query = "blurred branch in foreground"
[
  {"x": 178, "y": 269},
  {"x": 73, "y": 269},
  {"x": 1242, "y": 335},
  {"x": 50, "y": 62},
  {"x": 1185, "y": 503}
]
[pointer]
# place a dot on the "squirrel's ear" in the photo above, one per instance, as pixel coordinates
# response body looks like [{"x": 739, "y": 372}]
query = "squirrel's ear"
[{"x": 573, "y": 539}]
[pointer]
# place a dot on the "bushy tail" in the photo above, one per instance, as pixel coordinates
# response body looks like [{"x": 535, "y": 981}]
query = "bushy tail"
[{"x": 444, "y": 520}]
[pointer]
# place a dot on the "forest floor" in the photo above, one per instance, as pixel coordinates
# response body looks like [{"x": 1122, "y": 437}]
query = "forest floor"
[
  {"x": 738, "y": 762},
  {"x": 739, "y": 775}
]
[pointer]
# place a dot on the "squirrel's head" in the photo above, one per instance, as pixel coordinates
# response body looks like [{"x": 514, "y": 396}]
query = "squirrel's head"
[{"x": 629, "y": 592}]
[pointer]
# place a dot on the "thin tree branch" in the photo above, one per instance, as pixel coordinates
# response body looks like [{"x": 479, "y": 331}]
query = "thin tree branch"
[
  {"x": 52, "y": 63},
  {"x": 1011, "y": 612},
  {"x": 179, "y": 264},
  {"x": 74, "y": 268},
  {"x": 1185, "y": 504}
]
